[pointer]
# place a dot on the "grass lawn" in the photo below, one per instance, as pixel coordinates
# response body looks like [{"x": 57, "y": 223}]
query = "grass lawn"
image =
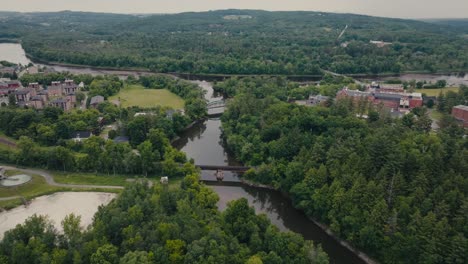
[
  {"x": 137, "y": 95},
  {"x": 37, "y": 186},
  {"x": 435, "y": 114},
  {"x": 436, "y": 92},
  {"x": 90, "y": 178}
]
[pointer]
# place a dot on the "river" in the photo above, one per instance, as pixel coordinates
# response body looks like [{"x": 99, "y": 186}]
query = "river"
[
  {"x": 56, "y": 207},
  {"x": 203, "y": 143},
  {"x": 13, "y": 52}
]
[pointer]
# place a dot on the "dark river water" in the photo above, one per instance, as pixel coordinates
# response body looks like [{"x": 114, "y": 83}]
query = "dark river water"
[{"x": 203, "y": 143}]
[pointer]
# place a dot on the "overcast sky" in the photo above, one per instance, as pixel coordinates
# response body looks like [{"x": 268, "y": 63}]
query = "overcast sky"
[{"x": 387, "y": 8}]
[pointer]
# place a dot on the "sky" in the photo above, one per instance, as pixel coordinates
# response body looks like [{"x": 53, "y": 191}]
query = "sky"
[{"x": 384, "y": 8}]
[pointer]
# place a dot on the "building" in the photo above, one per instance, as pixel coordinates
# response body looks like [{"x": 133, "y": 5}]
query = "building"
[
  {"x": 37, "y": 102},
  {"x": 317, "y": 100},
  {"x": 14, "y": 84},
  {"x": 79, "y": 136},
  {"x": 397, "y": 101},
  {"x": 69, "y": 86},
  {"x": 34, "y": 85},
  {"x": 44, "y": 94},
  {"x": 71, "y": 97},
  {"x": 55, "y": 89},
  {"x": 460, "y": 112},
  {"x": 23, "y": 95},
  {"x": 61, "y": 103},
  {"x": 96, "y": 100}
]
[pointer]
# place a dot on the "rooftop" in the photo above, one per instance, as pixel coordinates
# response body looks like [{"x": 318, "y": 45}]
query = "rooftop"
[{"x": 462, "y": 107}]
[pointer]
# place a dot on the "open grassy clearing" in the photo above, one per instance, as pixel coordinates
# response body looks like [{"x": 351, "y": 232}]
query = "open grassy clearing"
[
  {"x": 436, "y": 92},
  {"x": 90, "y": 178},
  {"x": 137, "y": 95},
  {"x": 37, "y": 186}
]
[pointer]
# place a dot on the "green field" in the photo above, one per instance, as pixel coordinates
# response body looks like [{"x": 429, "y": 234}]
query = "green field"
[
  {"x": 89, "y": 179},
  {"x": 37, "y": 186},
  {"x": 436, "y": 92},
  {"x": 137, "y": 95}
]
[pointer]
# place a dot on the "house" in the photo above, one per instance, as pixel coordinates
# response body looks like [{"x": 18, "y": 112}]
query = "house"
[
  {"x": 71, "y": 97},
  {"x": 79, "y": 136},
  {"x": 164, "y": 180},
  {"x": 34, "y": 85},
  {"x": 61, "y": 103},
  {"x": 96, "y": 100},
  {"x": 14, "y": 84},
  {"x": 44, "y": 94},
  {"x": 23, "y": 95},
  {"x": 55, "y": 89},
  {"x": 37, "y": 102},
  {"x": 380, "y": 44},
  {"x": 69, "y": 87},
  {"x": 460, "y": 112},
  {"x": 317, "y": 100},
  {"x": 7, "y": 70}
]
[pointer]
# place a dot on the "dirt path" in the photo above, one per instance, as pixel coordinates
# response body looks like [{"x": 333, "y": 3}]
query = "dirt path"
[{"x": 50, "y": 180}]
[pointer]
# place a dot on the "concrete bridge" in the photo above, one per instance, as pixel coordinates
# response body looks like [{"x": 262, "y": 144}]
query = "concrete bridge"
[
  {"x": 223, "y": 168},
  {"x": 216, "y": 104}
]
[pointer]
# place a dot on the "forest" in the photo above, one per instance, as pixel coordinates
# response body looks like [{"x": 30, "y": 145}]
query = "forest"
[
  {"x": 240, "y": 42},
  {"x": 160, "y": 225},
  {"x": 390, "y": 187}
]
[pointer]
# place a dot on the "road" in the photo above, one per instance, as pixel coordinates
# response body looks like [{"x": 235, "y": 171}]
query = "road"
[{"x": 50, "y": 180}]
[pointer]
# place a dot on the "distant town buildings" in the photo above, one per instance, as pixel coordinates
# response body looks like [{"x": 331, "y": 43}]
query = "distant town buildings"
[
  {"x": 57, "y": 94},
  {"x": 460, "y": 112},
  {"x": 393, "y": 97}
]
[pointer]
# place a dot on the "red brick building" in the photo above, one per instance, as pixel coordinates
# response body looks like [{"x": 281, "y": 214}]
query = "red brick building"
[{"x": 460, "y": 112}]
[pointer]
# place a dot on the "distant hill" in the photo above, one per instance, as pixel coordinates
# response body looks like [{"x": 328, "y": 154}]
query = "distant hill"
[
  {"x": 461, "y": 23},
  {"x": 240, "y": 42}
]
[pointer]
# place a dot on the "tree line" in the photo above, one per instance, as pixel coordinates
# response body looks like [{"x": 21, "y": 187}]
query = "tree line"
[
  {"x": 390, "y": 187},
  {"x": 160, "y": 224}
]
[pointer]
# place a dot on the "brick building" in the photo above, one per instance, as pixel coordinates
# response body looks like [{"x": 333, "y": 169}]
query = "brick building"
[{"x": 460, "y": 112}]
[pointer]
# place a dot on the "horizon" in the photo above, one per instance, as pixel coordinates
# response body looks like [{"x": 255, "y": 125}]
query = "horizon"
[
  {"x": 432, "y": 9},
  {"x": 214, "y": 10}
]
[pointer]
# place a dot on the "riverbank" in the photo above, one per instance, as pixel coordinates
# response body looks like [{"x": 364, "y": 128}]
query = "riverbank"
[{"x": 363, "y": 256}]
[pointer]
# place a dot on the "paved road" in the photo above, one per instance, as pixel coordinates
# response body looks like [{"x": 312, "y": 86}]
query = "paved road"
[{"x": 50, "y": 180}]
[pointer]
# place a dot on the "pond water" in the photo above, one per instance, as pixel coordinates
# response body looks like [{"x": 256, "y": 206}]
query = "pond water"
[
  {"x": 13, "y": 52},
  {"x": 203, "y": 143},
  {"x": 15, "y": 180},
  {"x": 56, "y": 207}
]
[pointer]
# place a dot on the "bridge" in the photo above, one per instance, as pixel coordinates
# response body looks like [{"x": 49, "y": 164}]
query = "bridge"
[
  {"x": 223, "y": 168},
  {"x": 216, "y": 104}
]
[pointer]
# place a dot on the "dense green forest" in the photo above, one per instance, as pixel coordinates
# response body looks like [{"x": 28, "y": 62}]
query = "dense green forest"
[
  {"x": 240, "y": 42},
  {"x": 160, "y": 225},
  {"x": 390, "y": 187}
]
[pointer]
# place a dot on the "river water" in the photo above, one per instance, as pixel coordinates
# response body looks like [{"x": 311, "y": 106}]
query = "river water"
[
  {"x": 13, "y": 52},
  {"x": 203, "y": 143},
  {"x": 56, "y": 207}
]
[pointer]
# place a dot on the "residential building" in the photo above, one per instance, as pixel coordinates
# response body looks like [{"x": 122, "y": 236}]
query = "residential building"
[
  {"x": 317, "y": 100},
  {"x": 55, "y": 89},
  {"x": 23, "y": 95},
  {"x": 96, "y": 100},
  {"x": 460, "y": 112},
  {"x": 37, "y": 102},
  {"x": 64, "y": 104},
  {"x": 44, "y": 94},
  {"x": 35, "y": 86},
  {"x": 71, "y": 97},
  {"x": 69, "y": 86},
  {"x": 79, "y": 136}
]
